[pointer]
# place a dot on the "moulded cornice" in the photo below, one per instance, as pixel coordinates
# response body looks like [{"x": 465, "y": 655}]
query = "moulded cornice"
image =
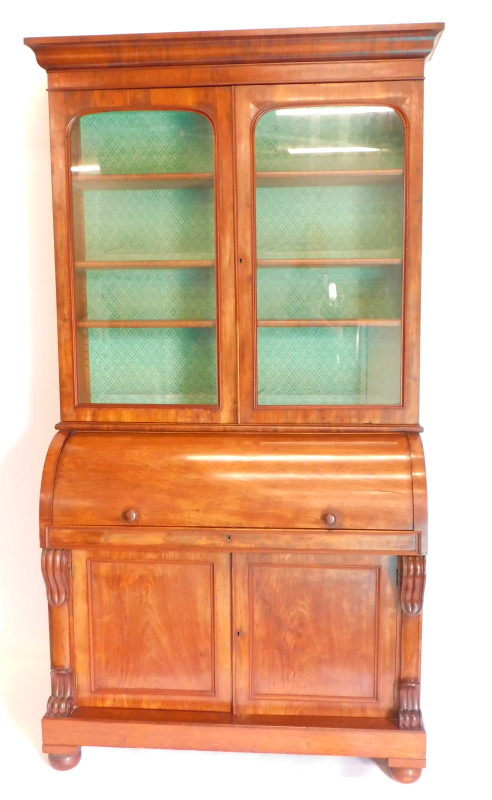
[{"x": 306, "y": 45}]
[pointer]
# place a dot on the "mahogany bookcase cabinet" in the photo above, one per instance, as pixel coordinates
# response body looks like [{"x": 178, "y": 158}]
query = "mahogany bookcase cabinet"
[{"x": 233, "y": 512}]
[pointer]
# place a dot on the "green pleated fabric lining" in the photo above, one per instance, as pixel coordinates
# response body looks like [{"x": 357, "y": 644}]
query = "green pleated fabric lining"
[
  {"x": 140, "y": 142},
  {"x": 328, "y": 366},
  {"x": 149, "y": 225},
  {"x": 300, "y": 366},
  {"x": 159, "y": 294},
  {"x": 330, "y": 222},
  {"x": 329, "y": 293},
  {"x": 150, "y": 365},
  {"x": 275, "y": 135},
  {"x": 153, "y": 365},
  {"x": 323, "y": 365}
]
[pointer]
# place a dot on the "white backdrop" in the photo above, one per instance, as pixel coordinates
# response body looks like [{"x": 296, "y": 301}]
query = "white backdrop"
[{"x": 455, "y": 412}]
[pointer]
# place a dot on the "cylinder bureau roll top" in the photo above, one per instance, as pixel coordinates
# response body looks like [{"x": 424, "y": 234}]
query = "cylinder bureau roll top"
[{"x": 341, "y": 481}]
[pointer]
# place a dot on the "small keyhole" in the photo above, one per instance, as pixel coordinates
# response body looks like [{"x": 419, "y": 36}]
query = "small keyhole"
[
  {"x": 240, "y": 260},
  {"x": 239, "y": 633}
]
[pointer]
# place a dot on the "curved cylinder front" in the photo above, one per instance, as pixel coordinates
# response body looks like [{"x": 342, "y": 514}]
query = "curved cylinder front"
[{"x": 343, "y": 481}]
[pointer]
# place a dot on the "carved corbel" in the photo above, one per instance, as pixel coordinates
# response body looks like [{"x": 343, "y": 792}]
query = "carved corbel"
[
  {"x": 409, "y": 713},
  {"x": 412, "y": 583},
  {"x": 61, "y": 701},
  {"x": 56, "y": 566}
]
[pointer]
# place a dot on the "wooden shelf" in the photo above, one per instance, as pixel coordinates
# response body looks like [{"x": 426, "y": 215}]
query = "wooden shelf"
[
  {"x": 146, "y": 323},
  {"x": 262, "y": 323},
  {"x": 328, "y": 323},
  {"x": 329, "y": 262},
  {"x": 205, "y": 180},
  {"x": 166, "y": 180},
  {"x": 327, "y": 178},
  {"x": 279, "y": 263},
  {"x": 143, "y": 264}
]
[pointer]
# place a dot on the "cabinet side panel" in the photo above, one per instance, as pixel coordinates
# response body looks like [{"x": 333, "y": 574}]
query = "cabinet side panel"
[
  {"x": 48, "y": 482},
  {"x": 60, "y": 115},
  {"x": 413, "y": 109},
  {"x": 419, "y": 486}
]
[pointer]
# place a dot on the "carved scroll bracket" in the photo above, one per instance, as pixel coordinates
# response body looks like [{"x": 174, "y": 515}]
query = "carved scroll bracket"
[
  {"x": 61, "y": 702},
  {"x": 409, "y": 713},
  {"x": 56, "y": 566},
  {"x": 412, "y": 583}
]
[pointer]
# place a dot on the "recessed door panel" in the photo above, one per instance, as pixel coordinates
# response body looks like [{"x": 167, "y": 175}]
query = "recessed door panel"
[
  {"x": 153, "y": 630},
  {"x": 315, "y": 634}
]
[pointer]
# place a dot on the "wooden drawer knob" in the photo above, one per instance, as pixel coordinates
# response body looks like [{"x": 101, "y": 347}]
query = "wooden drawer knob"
[
  {"x": 329, "y": 518},
  {"x": 130, "y": 515}
]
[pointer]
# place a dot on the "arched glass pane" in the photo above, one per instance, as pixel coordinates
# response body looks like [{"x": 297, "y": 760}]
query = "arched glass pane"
[
  {"x": 144, "y": 247},
  {"x": 329, "y": 226}
]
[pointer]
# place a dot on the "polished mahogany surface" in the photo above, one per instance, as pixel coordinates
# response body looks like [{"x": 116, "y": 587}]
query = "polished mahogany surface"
[
  {"x": 306, "y": 643},
  {"x": 282, "y": 45},
  {"x": 152, "y": 630},
  {"x": 192, "y": 730},
  {"x": 242, "y": 481}
]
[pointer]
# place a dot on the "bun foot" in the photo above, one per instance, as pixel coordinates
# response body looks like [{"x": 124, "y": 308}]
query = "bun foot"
[
  {"x": 64, "y": 761},
  {"x": 405, "y": 774}
]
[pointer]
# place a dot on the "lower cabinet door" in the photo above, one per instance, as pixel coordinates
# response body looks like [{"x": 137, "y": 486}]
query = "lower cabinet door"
[
  {"x": 152, "y": 629},
  {"x": 315, "y": 634}
]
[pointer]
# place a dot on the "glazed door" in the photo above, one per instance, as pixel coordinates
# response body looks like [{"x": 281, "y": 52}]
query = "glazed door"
[
  {"x": 315, "y": 634},
  {"x": 328, "y": 195},
  {"x": 151, "y": 234},
  {"x": 152, "y": 630}
]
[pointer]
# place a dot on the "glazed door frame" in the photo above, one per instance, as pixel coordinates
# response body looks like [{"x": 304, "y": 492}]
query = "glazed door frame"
[
  {"x": 250, "y": 103},
  {"x": 215, "y": 103}
]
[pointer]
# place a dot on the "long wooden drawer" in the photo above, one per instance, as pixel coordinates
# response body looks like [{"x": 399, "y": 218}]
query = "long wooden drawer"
[{"x": 225, "y": 480}]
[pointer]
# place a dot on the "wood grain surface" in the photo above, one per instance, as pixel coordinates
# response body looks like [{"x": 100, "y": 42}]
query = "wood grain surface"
[
  {"x": 315, "y": 634},
  {"x": 226, "y": 47},
  {"x": 214, "y": 480},
  {"x": 152, "y": 630},
  {"x": 365, "y": 738}
]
